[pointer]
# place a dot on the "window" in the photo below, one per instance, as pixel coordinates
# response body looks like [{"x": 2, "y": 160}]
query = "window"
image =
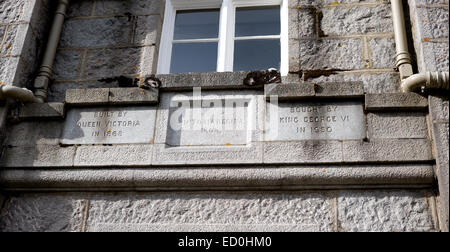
[{"x": 224, "y": 36}]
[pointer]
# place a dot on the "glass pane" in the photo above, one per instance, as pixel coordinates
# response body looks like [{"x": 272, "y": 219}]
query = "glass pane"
[
  {"x": 197, "y": 24},
  {"x": 256, "y": 55},
  {"x": 258, "y": 21},
  {"x": 194, "y": 57}
]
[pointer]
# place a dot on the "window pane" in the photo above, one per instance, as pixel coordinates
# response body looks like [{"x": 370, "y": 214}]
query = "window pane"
[
  {"x": 197, "y": 24},
  {"x": 258, "y": 21},
  {"x": 256, "y": 55},
  {"x": 194, "y": 57}
]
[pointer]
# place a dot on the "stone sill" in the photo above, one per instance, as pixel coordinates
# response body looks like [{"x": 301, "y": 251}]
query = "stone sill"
[
  {"x": 206, "y": 81},
  {"x": 396, "y": 101},
  {"x": 227, "y": 178},
  {"x": 347, "y": 90},
  {"x": 306, "y": 90},
  {"x": 111, "y": 96}
]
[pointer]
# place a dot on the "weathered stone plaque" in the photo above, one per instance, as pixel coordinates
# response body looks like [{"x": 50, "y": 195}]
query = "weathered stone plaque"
[
  {"x": 109, "y": 125},
  {"x": 314, "y": 121},
  {"x": 211, "y": 127},
  {"x": 215, "y": 122}
]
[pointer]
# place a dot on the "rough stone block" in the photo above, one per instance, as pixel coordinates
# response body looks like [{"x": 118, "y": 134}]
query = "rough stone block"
[
  {"x": 357, "y": 20},
  {"x": 43, "y": 213},
  {"x": 383, "y": 52},
  {"x": 304, "y": 23},
  {"x": 341, "y": 54},
  {"x": 207, "y": 155},
  {"x": 433, "y": 22},
  {"x": 17, "y": 40},
  {"x": 67, "y": 64},
  {"x": 119, "y": 155},
  {"x": 38, "y": 156},
  {"x": 2, "y": 31},
  {"x": 435, "y": 57},
  {"x": 116, "y": 96},
  {"x": 397, "y": 125},
  {"x": 134, "y": 61},
  {"x": 93, "y": 32},
  {"x": 211, "y": 212},
  {"x": 12, "y": 11},
  {"x": 80, "y": 8},
  {"x": 395, "y": 101},
  {"x": 289, "y": 91},
  {"x": 438, "y": 109},
  {"x": 147, "y": 30},
  {"x": 57, "y": 90},
  {"x": 385, "y": 211},
  {"x": 8, "y": 68},
  {"x": 341, "y": 90},
  {"x": 135, "y": 7},
  {"x": 212, "y": 80},
  {"x": 374, "y": 83},
  {"x": 303, "y": 152},
  {"x": 294, "y": 56},
  {"x": 441, "y": 137},
  {"x": 44, "y": 110},
  {"x": 87, "y": 96},
  {"x": 133, "y": 96},
  {"x": 387, "y": 150},
  {"x": 431, "y": 2}
]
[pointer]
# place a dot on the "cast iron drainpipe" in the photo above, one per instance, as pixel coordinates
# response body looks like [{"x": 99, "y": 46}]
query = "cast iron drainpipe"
[
  {"x": 46, "y": 69},
  {"x": 412, "y": 82}
]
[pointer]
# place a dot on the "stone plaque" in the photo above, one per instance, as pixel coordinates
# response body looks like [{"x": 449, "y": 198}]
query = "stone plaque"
[
  {"x": 315, "y": 121},
  {"x": 109, "y": 125},
  {"x": 215, "y": 122}
]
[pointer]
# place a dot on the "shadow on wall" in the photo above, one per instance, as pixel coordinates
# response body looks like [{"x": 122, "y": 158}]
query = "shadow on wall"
[
  {"x": 36, "y": 144},
  {"x": 106, "y": 39}
]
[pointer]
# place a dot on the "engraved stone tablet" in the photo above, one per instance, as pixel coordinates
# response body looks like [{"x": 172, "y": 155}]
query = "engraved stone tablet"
[
  {"x": 109, "y": 125},
  {"x": 315, "y": 121},
  {"x": 215, "y": 122}
]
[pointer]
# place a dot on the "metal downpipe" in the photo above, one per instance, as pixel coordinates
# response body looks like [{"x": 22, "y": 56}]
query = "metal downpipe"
[
  {"x": 46, "y": 69},
  {"x": 410, "y": 82},
  {"x": 422, "y": 81},
  {"x": 402, "y": 57}
]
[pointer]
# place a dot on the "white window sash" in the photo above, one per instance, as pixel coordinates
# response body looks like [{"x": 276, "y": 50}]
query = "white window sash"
[
  {"x": 184, "y": 41},
  {"x": 225, "y": 54}
]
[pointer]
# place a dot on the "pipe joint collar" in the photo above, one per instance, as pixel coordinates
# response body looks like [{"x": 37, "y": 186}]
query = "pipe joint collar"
[
  {"x": 402, "y": 58},
  {"x": 438, "y": 80}
]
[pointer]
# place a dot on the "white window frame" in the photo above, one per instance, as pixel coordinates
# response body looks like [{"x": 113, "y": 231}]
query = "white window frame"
[{"x": 226, "y": 38}]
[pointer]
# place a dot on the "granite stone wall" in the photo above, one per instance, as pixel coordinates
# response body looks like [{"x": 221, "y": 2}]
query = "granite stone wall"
[
  {"x": 103, "y": 39},
  {"x": 339, "y": 52},
  {"x": 353, "y": 39},
  {"x": 344, "y": 211},
  {"x": 23, "y": 25},
  {"x": 429, "y": 19},
  {"x": 23, "y": 32}
]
